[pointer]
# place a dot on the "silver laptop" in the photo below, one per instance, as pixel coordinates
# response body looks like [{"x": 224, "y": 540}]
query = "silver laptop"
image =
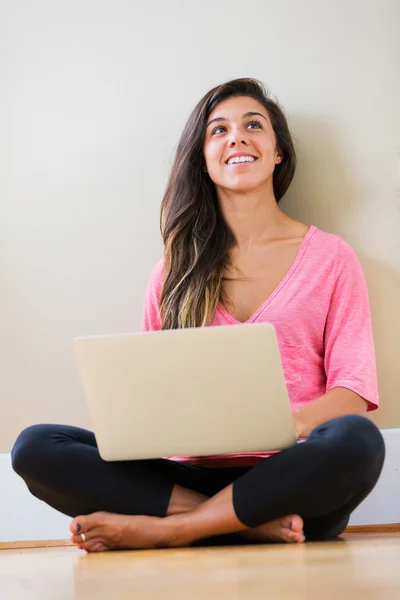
[{"x": 186, "y": 392}]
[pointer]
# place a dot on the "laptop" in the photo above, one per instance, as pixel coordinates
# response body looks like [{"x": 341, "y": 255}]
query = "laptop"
[{"x": 186, "y": 392}]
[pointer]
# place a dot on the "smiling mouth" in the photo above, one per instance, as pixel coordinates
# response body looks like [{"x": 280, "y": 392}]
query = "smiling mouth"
[{"x": 241, "y": 160}]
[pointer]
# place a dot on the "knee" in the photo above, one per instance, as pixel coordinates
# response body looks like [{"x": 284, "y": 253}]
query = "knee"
[
  {"x": 363, "y": 433},
  {"x": 27, "y": 447},
  {"x": 360, "y": 440}
]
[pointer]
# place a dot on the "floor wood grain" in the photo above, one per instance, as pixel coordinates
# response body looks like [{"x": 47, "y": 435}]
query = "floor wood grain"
[{"x": 359, "y": 566}]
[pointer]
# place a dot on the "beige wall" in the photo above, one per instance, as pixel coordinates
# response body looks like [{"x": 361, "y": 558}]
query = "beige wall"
[{"x": 93, "y": 98}]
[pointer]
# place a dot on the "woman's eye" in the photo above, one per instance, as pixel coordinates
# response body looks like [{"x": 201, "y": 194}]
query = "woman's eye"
[
  {"x": 255, "y": 123},
  {"x": 220, "y": 128},
  {"x": 216, "y": 130}
]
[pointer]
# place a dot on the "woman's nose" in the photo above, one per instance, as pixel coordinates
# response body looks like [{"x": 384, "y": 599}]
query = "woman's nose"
[{"x": 236, "y": 140}]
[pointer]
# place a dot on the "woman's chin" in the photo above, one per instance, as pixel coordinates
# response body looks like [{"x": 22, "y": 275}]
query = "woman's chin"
[{"x": 242, "y": 186}]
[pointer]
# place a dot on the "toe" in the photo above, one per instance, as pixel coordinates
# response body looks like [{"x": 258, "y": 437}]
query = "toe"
[
  {"x": 76, "y": 539},
  {"x": 98, "y": 547},
  {"x": 84, "y": 523},
  {"x": 292, "y": 528},
  {"x": 77, "y": 525},
  {"x": 89, "y": 536},
  {"x": 296, "y": 537},
  {"x": 296, "y": 523},
  {"x": 94, "y": 545}
]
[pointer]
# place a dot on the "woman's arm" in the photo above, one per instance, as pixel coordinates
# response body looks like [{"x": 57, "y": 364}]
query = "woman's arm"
[
  {"x": 335, "y": 403},
  {"x": 349, "y": 353},
  {"x": 151, "y": 320}
]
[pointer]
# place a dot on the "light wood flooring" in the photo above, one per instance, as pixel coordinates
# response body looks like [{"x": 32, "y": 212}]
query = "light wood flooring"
[{"x": 357, "y": 567}]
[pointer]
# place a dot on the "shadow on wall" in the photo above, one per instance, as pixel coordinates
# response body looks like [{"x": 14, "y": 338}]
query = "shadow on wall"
[
  {"x": 325, "y": 193},
  {"x": 384, "y": 293}
]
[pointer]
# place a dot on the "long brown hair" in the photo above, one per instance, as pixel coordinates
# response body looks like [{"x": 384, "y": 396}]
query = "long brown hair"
[{"x": 197, "y": 239}]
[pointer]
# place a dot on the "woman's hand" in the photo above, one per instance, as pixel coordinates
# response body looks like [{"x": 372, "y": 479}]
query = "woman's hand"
[{"x": 335, "y": 403}]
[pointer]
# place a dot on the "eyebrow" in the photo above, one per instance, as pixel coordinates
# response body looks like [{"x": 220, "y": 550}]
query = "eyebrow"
[{"x": 245, "y": 116}]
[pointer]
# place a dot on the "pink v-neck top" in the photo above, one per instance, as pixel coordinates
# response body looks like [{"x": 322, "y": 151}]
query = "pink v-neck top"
[{"x": 321, "y": 314}]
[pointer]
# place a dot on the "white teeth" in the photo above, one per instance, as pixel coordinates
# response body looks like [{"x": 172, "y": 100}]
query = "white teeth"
[{"x": 240, "y": 159}]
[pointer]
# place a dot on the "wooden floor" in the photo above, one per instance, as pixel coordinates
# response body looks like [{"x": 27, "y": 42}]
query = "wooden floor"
[{"x": 358, "y": 567}]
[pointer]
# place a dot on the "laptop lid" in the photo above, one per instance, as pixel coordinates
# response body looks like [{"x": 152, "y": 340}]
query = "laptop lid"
[{"x": 186, "y": 392}]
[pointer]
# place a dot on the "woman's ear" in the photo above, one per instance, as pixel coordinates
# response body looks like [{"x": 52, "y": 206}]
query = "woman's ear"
[{"x": 278, "y": 155}]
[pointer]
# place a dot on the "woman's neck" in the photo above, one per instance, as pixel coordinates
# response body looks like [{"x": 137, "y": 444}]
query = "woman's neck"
[{"x": 253, "y": 217}]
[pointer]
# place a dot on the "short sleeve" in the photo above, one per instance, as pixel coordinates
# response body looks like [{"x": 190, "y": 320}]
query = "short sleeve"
[
  {"x": 151, "y": 320},
  {"x": 349, "y": 346}
]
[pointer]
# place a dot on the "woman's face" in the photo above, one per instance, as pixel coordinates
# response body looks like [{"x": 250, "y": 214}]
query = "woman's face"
[{"x": 240, "y": 127}]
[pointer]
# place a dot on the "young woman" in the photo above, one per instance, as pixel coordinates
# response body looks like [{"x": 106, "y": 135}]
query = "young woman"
[{"x": 233, "y": 256}]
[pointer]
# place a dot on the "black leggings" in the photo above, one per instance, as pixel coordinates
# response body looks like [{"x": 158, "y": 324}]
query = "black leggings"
[{"x": 322, "y": 479}]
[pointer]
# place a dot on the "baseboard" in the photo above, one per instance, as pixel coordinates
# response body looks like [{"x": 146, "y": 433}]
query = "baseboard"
[
  {"x": 24, "y": 519},
  {"x": 23, "y": 545},
  {"x": 388, "y": 528}
]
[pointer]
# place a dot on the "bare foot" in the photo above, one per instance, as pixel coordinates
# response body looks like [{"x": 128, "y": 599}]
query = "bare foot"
[
  {"x": 285, "y": 529},
  {"x": 106, "y": 531}
]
